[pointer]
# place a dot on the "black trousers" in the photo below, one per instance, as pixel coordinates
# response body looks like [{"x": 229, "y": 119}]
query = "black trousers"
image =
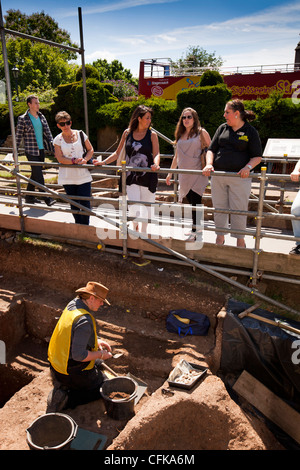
[
  {"x": 194, "y": 199},
  {"x": 83, "y": 190},
  {"x": 83, "y": 386},
  {"x": 36, "y": 170}
]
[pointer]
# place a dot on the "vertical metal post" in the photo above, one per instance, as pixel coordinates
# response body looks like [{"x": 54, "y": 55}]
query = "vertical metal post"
[
  {"x": 175, "y": 187},
  {"x": 282, "y": 185},
  {"x": 259, "y": 219},
  {"x": 11, "y": 117},
  {"x": 86, "y": 119},
  {"x": 123, "y": 226}
]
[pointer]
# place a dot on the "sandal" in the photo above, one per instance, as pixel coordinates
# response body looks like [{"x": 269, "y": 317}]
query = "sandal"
[{"x": 191, "y": 237}]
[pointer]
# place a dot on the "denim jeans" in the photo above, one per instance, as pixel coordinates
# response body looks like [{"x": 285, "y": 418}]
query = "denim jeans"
[
  {"x": 295, "y": 210},
  {"x": 83, "y": 190}
]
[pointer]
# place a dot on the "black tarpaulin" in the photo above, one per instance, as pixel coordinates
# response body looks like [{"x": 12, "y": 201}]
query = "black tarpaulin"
[{"x": 267, "y": 352}]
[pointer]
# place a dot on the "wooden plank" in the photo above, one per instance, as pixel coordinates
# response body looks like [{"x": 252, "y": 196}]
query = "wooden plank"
[
  {"x": 269, "y": 404},
  {"x": 279, "y": 263}
]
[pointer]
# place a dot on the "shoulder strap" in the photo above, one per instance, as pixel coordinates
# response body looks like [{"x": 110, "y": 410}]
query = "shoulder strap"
[
  {"x": 82, "y": 140},
  {"x": 84, "y": 147},
  {"x": 202, "y": 139}
]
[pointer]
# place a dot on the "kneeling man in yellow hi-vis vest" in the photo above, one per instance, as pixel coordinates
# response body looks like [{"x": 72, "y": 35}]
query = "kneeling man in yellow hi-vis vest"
[{"x": 75, "y": 351}]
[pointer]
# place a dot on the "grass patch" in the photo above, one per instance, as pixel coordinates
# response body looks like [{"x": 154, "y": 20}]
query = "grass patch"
[{"x": 39, "y": 242}]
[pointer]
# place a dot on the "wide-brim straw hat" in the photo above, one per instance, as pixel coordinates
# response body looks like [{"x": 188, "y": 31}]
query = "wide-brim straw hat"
[{"x": 96, "y": 289}]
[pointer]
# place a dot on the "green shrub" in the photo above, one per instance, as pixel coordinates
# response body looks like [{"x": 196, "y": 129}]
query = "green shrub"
[
  {"x": 90, "y": 72},
  {"x": 276, "y": 117},
  {"x": 70, "y": 98},
  {"x": 164, "y": 120},
  {"x": 211, "y": 78},
  {"x": 122, "y": 89}
]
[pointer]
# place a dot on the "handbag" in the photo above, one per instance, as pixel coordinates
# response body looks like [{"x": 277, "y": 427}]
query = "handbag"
[
  {"x": 84, "y": 147},
  {"x": 185, "y": 323},
  {"x": 122, "y": 155}
]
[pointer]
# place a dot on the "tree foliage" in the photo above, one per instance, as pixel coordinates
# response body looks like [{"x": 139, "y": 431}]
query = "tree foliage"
[
  {"x": 113, "y": 71},
  {"x": 39, "y": 25},
  {"x": 41, "y": 67}
]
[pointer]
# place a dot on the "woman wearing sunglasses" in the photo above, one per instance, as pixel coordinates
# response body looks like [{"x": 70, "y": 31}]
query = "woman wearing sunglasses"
[
  {"x": 69, "y": 150},
  {"x": 190, "y": 141}
]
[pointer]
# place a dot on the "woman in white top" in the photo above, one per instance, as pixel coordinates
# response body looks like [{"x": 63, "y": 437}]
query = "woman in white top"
[
  {"x": 69, "y": 150},
  {"x": 190, "y": 141}
]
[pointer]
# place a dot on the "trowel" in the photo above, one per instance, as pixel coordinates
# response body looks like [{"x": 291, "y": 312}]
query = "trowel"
[{"x": 115, "y": 356}]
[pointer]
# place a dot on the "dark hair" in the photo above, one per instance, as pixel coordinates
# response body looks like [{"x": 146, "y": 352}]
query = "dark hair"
[
  {"x": 84, "y": 295},
  {"x": 140, "y": 111},
  {"x": 237, "y": 105},
  {"x": 30, "y": 98},
  {"x": 180, "y": 128}
]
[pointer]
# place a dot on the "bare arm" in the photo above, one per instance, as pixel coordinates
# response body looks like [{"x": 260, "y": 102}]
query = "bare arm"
[
  {"x": 173, "y": 166},
  {"x": 60, "y": 157},
  {"x": 114, "y": 156},
  {"x": 155, "y": 151},
  {"x": 296, "y": 172}
]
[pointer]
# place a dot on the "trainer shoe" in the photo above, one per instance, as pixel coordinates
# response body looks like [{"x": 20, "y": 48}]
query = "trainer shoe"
[
  {"x": 57, "y": 399},
  {"x": 31, "y": 200},
  {"x": 295, "y": 250},
  {"x": 49, "y": 201}
]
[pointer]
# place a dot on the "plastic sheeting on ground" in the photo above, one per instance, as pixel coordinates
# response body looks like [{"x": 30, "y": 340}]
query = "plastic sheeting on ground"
[{"x": 269, "y": 353}]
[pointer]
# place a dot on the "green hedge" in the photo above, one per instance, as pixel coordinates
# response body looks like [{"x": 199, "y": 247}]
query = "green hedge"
[
  {"x": 208, "y": 101},
  {"x": 164, "y": 117},
  {"x": 275, "y": 117},
  {"x": 70, "y": 98}
]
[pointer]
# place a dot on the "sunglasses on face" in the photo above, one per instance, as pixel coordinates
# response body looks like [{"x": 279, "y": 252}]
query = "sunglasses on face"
[
  {"x": 187, "y": 117},
  {"x": 66, "y": 123}
]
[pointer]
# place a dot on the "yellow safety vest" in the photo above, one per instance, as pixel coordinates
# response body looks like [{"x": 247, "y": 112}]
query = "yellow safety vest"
[{"x": 60, "y": 342}]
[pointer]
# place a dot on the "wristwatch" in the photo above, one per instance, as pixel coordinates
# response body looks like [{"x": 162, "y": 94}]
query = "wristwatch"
[{"x": 249, "y": 166}]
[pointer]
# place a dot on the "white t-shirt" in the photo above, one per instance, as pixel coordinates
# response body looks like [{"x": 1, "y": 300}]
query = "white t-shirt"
[{"x": 76, "y": 175}]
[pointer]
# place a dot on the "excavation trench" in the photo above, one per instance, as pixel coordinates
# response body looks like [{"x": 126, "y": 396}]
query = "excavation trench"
[{"x": 37, "y": 283}]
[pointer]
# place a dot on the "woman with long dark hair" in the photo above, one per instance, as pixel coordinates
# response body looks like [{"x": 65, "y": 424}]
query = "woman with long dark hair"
[
  {"x": 142, "y": 150},
  {"x": 191, "y": 140}
]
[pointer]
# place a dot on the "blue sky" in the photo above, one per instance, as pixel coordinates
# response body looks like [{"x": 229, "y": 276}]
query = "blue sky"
[{"x": 242, "y": 33}]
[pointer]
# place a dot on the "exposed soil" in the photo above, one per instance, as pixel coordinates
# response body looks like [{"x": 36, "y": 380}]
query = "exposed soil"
[
  {"x": 118, "y": 396},
  {"x": 36, "y": 285}
]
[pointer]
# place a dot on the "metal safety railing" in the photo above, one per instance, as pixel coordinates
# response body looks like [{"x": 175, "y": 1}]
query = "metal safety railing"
[
  {"x": 121, "y": 221},
  {"x": 15, "y": 195}
]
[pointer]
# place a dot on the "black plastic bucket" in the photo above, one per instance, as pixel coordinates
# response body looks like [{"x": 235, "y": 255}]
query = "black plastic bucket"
[
  {"x": 119, "y": 408},
  {"x": 52, "y": 431}
]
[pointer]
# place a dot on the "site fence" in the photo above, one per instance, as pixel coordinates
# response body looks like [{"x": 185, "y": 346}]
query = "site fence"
[
  {"x": 10, "y": 195},
  {"x": 13, "y": 192}
]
